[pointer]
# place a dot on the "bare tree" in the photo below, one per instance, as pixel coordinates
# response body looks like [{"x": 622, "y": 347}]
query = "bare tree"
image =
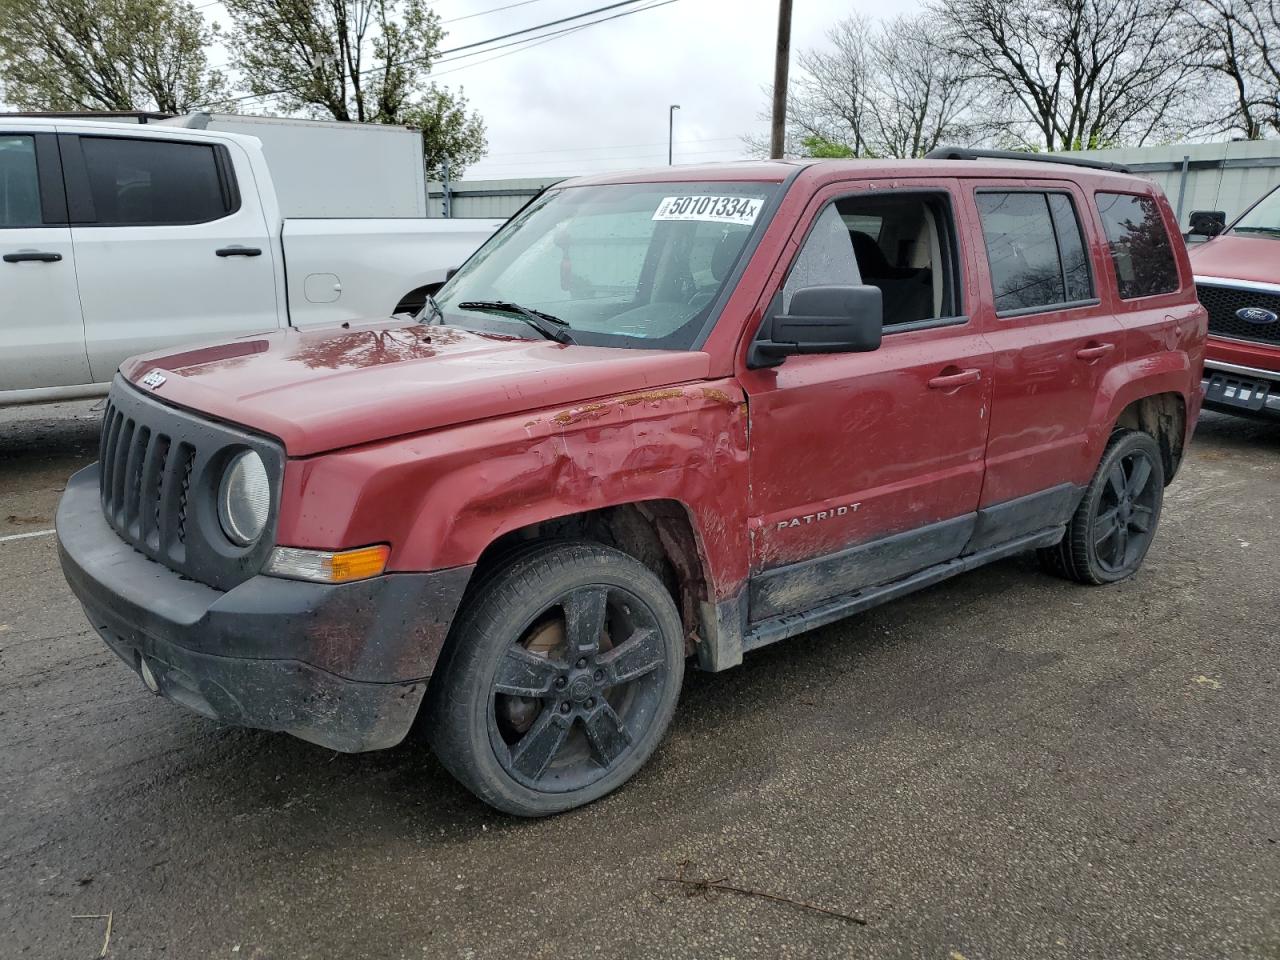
[
  {"x": 1239, "y": 42},
  {"x": 1078, "y": 74},
  {"x": 921, "y": 96},
  {"x": 877, "y": 90},
  {"x": 832, "y": 90}
]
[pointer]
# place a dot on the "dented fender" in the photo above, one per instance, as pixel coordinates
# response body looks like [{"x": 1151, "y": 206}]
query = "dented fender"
[{"x": 440, "y": 498}]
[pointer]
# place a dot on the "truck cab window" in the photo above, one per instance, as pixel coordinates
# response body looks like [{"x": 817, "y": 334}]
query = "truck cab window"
[
  {"x": 19, "y": 184},
  {"x": 152, "y": 182}
]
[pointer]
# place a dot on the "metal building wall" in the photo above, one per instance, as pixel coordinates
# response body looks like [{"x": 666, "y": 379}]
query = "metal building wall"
[
  {"x": 485, "y": 198},
  {"x": 1219, "y": 176}
]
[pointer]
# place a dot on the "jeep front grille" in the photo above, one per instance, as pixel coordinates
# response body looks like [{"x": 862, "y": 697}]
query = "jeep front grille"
[
  {"x": 159, "y": 466},
  {"x": 1222, "y": 304}
]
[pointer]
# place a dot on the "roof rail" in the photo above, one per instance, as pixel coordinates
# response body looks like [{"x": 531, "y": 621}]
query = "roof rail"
[{"x": 965, "y": 153}]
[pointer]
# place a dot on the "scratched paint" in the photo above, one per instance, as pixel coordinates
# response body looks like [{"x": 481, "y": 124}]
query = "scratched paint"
[{"x": 440, "y": 498}]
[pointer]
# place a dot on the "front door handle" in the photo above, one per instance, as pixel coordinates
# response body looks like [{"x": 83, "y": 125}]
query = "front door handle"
[
  {"x": 30, "y": 256},
  {"x": 1095, "y": 351},
  {"x": 238, "y": 251},
  {"x": 953, "y": 381}
]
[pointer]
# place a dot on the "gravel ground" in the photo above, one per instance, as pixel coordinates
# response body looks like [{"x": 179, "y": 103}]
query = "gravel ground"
[{"x": 1003, "y": 766}]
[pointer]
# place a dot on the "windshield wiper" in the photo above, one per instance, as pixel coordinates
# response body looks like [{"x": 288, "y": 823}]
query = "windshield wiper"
[
  {"x": 431, "y": 312},
  {"x": 553, "y": 328}
]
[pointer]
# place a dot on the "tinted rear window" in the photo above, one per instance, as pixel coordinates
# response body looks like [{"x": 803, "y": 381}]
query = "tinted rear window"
[
  {"x": 1139, "y": 244},
  {"x": 19, "y": 184},
  {"x": 1034, "y": 249},
  {"x": 143, "y": 181}
]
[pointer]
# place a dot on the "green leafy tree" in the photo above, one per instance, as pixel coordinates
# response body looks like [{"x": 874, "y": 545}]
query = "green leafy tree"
[
  {"x": 449, "y": 131},
  {"x": 105, "y": 55},
  {"x": 823, "y": 149},
  {"x": 362, "y": 60}
]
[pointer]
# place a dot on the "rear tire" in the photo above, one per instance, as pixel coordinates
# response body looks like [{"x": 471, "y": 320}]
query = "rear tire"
[
  {"x": 1112, "y": 529},
  {"x": 559, "y": 679}
]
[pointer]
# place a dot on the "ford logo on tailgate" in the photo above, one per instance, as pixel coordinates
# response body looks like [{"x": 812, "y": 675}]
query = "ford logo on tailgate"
[{"x": 1256, "y": 315}]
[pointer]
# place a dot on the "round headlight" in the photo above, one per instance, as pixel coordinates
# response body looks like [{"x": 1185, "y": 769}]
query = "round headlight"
[{"x": 244, "y": 499}]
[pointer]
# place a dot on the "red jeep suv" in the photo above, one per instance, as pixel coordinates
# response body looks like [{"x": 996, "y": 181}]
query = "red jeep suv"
[{"x": 683, "y": 412}]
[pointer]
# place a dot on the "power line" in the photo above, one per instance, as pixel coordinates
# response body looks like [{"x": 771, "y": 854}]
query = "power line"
[
  {"x": 529, "y": 42},
  {"x": 469, "y": 16},
  {"x": 522, "y": 44},
  {"x": 488, "y": 42}
]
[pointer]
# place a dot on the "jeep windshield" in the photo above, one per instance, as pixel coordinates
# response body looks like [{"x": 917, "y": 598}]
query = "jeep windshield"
[
  {"x": 1264, "y": 219},
  {"x": 628, "y": 265}
]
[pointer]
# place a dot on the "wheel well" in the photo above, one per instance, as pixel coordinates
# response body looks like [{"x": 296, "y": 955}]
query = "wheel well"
[
  {"x": 414, "y": 300},
  {"x": 1164, "y": 416},
  {"x": 658, "y": 533}
]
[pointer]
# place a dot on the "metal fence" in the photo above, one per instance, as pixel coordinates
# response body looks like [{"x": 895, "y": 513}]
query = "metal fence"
[
  {"x": 1195, "y": 176},
  {"x": 483, "y": 198}
]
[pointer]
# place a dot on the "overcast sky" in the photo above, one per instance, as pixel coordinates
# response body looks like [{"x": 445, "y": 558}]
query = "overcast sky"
[{"x": 597, "y": 99}]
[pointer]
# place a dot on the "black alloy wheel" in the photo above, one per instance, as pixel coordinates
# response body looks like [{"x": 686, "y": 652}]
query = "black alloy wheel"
[
  {"x": 1113, "y": 527},
  {"x": 559, "y": 679}
]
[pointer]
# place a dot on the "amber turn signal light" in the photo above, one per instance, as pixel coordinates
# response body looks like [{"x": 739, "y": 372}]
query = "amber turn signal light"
[{"x": 322, "y": 566}]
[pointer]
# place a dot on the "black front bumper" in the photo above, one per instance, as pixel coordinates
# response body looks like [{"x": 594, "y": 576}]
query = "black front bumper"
[{"x": 345, "y": 666}]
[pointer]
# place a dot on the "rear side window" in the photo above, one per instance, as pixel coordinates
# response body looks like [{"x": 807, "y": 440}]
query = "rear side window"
[
  {"x": 143, "y": 181},
  {"x": 1139, "y": 243},
  {"x": 1035, "y": 250},
  {"x": 19, "y": 182}
]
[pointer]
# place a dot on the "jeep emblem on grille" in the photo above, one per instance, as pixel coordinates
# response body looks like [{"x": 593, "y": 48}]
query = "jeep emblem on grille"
[
  {"x": 1257, "y": 315},
  {"x": 154, "y": 380}
]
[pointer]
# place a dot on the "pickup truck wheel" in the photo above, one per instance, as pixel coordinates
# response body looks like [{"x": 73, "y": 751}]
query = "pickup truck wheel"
[
  {"x": 560, "y": 678},
  {"x": 1112, "y": 529}
]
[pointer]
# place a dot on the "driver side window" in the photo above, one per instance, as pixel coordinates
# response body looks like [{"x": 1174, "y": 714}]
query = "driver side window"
[
  {"x": 902, "y": 243},
  {"x": 826, "y": 259}
]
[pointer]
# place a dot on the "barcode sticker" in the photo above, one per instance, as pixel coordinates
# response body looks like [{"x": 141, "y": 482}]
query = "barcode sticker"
[{"x": 710, "y": 209}]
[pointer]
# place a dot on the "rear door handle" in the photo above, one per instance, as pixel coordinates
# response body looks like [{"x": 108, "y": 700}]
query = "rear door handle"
[
  {"x": 238, "y": 251},
  {"x": 953, "y": 381},
  {"x": 1095, "y": 351},
  {"x": 29, "y": 256}
]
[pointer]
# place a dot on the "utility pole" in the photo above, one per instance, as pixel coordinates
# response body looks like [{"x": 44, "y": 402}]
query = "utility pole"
[
  {"x": 671, "y": 126},
  {"x": 778, "y": 134}
]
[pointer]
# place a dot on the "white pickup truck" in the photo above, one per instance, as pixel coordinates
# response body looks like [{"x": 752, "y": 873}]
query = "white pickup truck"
[{"x": 117, "y": 239}]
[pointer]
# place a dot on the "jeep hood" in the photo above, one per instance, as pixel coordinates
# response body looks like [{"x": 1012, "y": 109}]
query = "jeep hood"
[
  {"x": 1237, "y": 257},
  {"x": 323, "y": 389}
]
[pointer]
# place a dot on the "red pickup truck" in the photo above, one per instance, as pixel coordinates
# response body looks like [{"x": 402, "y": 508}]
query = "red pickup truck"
[
  {"x": 1238, "y": 278},
  {"x": 684, "y": 412}
]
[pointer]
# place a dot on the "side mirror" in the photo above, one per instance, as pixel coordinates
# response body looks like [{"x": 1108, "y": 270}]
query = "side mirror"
[
  {"x": 843, "y": 319},
  {"x": 1207, "y": 223}
]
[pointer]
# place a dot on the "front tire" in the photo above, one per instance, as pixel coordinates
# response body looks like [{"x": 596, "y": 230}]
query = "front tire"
[
  {"x": 560, "y": 678},
  {"x": 1111, "y": 531}
]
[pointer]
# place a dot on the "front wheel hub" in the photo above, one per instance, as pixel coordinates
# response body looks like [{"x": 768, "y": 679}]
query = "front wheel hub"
[{"x": 576, "y": 691}]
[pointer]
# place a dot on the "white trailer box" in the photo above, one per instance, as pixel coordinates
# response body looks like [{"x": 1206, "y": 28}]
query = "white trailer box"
[{"x": 327, "y": 168}]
